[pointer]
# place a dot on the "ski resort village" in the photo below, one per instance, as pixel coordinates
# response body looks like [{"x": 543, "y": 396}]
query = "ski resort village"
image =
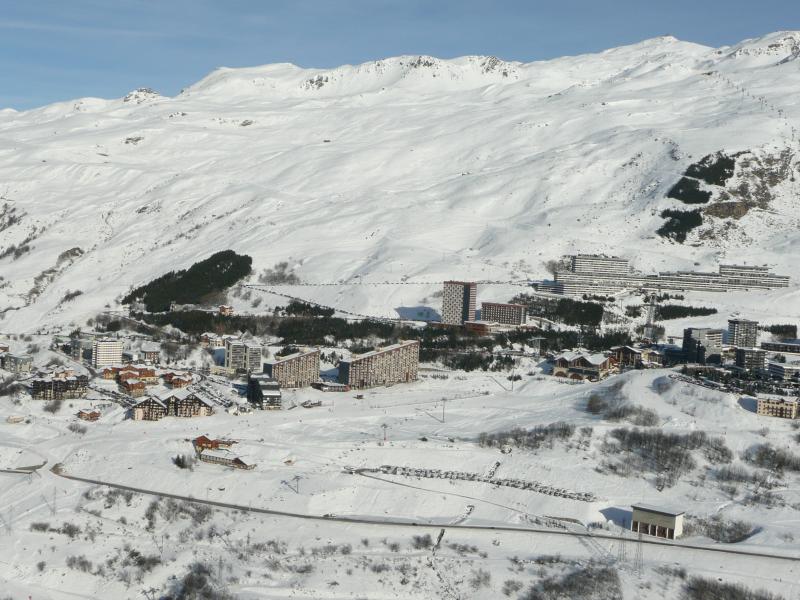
[
  {"x": 417, "y": 328},
  {"x": 219, "y": 428}
]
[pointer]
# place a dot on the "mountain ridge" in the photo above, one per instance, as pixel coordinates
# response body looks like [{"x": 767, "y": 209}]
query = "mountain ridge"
[{"x": 383, "y": 171}]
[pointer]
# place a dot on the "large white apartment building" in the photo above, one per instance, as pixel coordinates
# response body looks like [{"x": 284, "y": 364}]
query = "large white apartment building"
[
  {"x": 243, "y": 356},
  {"x": 742, "y": 333},
  {"x": 397, "y": 363},
  {"x": 459, "y": 299},
  {"x": 604, "y": 275},
  {"x": 106, "y": 352},
  {"x": 506, "y": 314}
]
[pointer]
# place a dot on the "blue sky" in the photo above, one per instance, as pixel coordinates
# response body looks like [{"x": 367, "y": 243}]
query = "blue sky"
[{"x": 54, "y": 50}]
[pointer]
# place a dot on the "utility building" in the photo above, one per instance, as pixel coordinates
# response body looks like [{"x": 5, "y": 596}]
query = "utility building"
[
  {"x": 658, "y": 522},
  {"x": 459, "y": 299}
]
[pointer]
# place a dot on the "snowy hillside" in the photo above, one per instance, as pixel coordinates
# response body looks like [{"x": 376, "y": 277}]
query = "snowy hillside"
[{"x": 410, "y": 167}]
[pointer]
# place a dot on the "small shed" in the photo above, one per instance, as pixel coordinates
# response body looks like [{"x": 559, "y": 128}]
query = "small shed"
[{"x": 657, "y": 521}]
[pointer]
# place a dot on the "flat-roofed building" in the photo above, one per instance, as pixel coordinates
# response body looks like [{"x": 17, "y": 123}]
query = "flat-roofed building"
[
  {"x": 784, "y": 346},
  {"x": 784, "y": 371},
  {"x": 599, "y": 264},
  {"x": 785, "y": 408},
  {"x": 506, "y": 314},
  {"x": 17, "y": 363},
  {"x": 750, "y": 359},
  {"x": 481, "y": 327},
  {"x": 656, "y": 521},
  {"x": 702, "y": 344},
  {"x": 742, "y": 333},
  {"x": 106, "y": 351},
  {"x": 296, "y": 370},
  {"x": 263, "y": 392},
  {"x": 458, "y": 302},
  {"x": 397, "y": 363}
]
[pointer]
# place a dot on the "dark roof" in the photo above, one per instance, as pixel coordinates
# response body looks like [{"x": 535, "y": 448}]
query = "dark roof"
[{"x": 657, "y": 510}]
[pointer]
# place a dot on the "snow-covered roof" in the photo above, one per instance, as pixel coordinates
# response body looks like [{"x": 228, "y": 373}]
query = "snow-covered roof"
[
  {"x": 150, "y": 399},
  {"x": 595, "y": 359},
  {"x": 658, "y": 509}
]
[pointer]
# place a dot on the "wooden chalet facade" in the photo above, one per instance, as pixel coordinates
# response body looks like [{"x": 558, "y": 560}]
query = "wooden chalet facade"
[
  {"x": 88, "y": 415},
  {"x": 133, "y": 387},
  {"x": 58, "y": 388},
  {"x": 175, "y": 403},
  {"x": 581, "y": 366},
  {"x": 204, "y": 442}
]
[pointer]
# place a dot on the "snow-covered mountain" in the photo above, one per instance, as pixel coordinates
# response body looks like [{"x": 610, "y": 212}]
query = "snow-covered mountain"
[{"x": 410, "y": 167}]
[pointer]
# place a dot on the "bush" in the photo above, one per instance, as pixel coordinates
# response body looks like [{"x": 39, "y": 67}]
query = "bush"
[
  {"x": 530, "y": 439},
  {"x": 77, "y": 428},
  {"x": 784, "y": 331},
  {"x": 698, "y": 588},
  {"x": 40, "y": 526},
  {"x": 278, "y": 274},
  {"x": 719, "y": 529},
  {"x": 768, "y": 457},
  {"x": 591, "y": 582},
  {"x": 53, "y": 406},
  {"x": 421, "y": 542},
  {"x": 183, "y": 461},
  {"x": 69, "y": 296}
]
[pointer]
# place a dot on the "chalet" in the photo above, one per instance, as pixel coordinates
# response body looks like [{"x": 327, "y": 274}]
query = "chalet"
[
  {"x": 226, "y": 458},
  {"x": 59, "y": 388},
  {"x": 133, "y": 387},
  {"x": 88, "y": 415},
  {"x": 180, "y": 381},
  {"x": 127, "y": 373},
  {"x": 580, "y": 366},
  {"x": 111, "y": 371},
  {"x": 144, "y": 373},
  {"x": 150, "y": 352},
  {"x": 627, "y": 356},
  {"x": 212, "y": 340},
  {"x": 225, "y": 310},
  {"x": 185, "y": 403},
  {"x": 204, "y": 442},
  {"x": 149, "y": 409}
]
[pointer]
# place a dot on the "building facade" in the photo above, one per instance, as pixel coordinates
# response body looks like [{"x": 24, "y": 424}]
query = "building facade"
[
  {"x": 742, "y": 333},
  {"x": 17, "y": 363},
  {"x": 175, "y": 403},
  {"x": 658, "y": 522},
  {"x": 263, "y": 392},
  {"x": 784, "y": 408},
  {"x": 459, "y": 300},
  {"x": 297, "y": 370},
  {"x": 702, "y": 344},
  {"x": 506, "y": 314},
  {"x": 605, "y": 275},
  {"x": 105, "y": 352},
  {"x": 750, "y": 359},
  {"x": 243, "y": 356},
  {"x": 59, "y": 388},
  {"x": 784, "y": 346},
  {"x": 581, "y": 366},
  {"x": 397, "y": 363},
  {"x": 784, "y": 371}
]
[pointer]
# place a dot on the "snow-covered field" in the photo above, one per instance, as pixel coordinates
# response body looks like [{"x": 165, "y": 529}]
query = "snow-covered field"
[
  {"x": 305, "y": 459},
  {"x": 410, "y": 167}
]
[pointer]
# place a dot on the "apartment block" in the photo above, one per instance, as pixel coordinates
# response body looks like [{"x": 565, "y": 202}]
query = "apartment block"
[
  {"x": 742, "y": 333},
  {"x": 106, "y": 352},
  {"x": 783, "y": 408},
  {"x": 459, "y": 300},
  {"x": 397, "y": 363},
  {"x": 702, "y": 344},
  {"x": 783, "y": 371},
  {"x": 243, "y": 356},
  {"x": 297, "y": 370},
  {"x": 506, "y": 314},
  {"x": 750, "y": 359}
]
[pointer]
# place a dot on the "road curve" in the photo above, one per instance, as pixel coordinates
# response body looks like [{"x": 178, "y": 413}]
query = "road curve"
[{"x": 56, "y": 470}]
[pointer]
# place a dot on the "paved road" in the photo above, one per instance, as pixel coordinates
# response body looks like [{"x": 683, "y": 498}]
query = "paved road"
[{"x": 388, "y": 522}]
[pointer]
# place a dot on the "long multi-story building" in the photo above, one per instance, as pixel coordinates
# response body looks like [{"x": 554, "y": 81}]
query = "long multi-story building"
[
  {"x": 506, "y": 314},
  {"x": 603, "y": 275},
  {"x": 59, "y": 388},
  {"x": 397, "y": 363},
  {"x": 300, "y": 369},
  {"x": 106, "y": 351},
  {"x": 784, "y": 346},
  {"x": 784, "y": 408},
  {"x": 742, "y": 333},
  {"x": 783, "y": 371},
  {"x": 459, "y": 299}
]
